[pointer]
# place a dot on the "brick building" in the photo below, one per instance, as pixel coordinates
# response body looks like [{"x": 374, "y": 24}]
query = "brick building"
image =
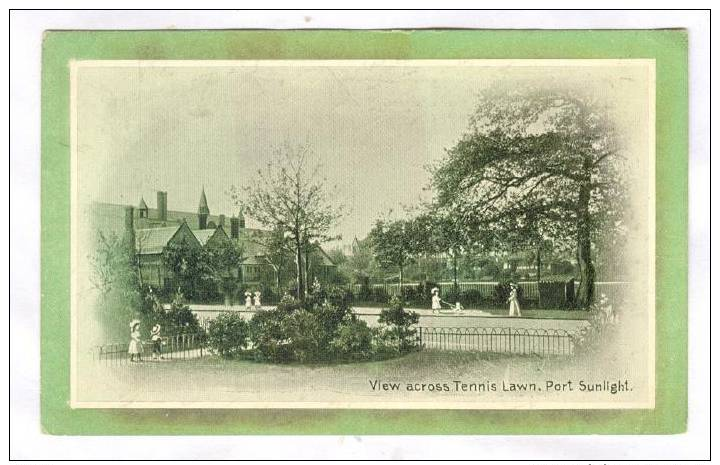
[{"x": 156, "y": 229}]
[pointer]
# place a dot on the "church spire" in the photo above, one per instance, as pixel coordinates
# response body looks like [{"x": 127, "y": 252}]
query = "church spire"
[
  {"x": 203, "y": 208},
  {"x": 203, "y": 211}
]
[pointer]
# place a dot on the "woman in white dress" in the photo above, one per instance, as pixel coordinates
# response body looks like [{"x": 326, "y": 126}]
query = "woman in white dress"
[
  {"x": 258, "y": 305},
  {"x": 514, "y": 302},
  {"x": 248, "y": 301}
]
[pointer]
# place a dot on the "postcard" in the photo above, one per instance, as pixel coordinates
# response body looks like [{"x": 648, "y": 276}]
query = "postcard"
[{"x": 377, "y": 234}]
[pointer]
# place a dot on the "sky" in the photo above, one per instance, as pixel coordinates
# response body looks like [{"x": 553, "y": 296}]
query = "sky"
[{"x": 373, "y": 128}]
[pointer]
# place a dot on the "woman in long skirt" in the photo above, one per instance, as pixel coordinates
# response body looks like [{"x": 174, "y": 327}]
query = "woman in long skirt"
[
  {"x": 135, "y": 349},
  {"x": 514, "y": 302}
]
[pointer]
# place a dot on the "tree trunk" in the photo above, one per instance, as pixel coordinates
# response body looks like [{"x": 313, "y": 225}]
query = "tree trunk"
[
  {"x": 307, "y": 270},
  {"x": 299, "y": 268},
  {"x": 537, "y": 264},
  {"x": 455, "y": 272},
  {"x": 400, "y": 286},
  {"x": 585, "y": 291}
]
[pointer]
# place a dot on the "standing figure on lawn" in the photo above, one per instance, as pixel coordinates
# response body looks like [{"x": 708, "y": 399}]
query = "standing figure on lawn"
[
  {"x": 258, "y": 305},
  {"x": 248, "y": 301},
  {"x": 156, "y": 342},
  {"x": 135, "y": 348},
  {"x": 436, "y": 301},
  {"x": 514, "y": 301}
]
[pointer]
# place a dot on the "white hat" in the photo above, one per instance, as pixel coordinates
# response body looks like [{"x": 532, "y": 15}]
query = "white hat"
[
  {"x": 247, "y": 293},
  {"x": 434, "y": 290},
  {"x": 133, "y": 323},
  {"x": 156, "y": 329},
  {"x": 257, "y": 292}
]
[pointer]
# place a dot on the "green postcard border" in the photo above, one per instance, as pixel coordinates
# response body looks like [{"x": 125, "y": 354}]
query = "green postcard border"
[{"x": 667, "y": 47}]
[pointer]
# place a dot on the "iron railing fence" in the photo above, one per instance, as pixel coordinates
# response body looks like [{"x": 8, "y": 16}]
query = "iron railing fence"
[
  {"x": 522, "y": 341},
  {"x": 177, "y": 347},
  {"x": 497, "y": 340}
]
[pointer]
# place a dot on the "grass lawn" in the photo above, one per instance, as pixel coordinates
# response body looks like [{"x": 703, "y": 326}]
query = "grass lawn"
[
  {"x": 542, "y": 313},
  {"x": 558, "y": 314}
]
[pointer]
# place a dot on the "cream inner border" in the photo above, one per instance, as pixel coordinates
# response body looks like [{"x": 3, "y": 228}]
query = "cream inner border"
[{"x": 75, "y": 65}]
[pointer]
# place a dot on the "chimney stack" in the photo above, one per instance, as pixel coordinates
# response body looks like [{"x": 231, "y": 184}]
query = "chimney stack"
[
  {"x": 234, "y": 227},
  {"x": 162, "y": 205},
  {"x": 129, "y": 218},
  {"x": 129, "y": 235}
]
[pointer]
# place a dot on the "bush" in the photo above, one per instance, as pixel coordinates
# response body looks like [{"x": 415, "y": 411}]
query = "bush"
[
  {"x": 376, "y": 295},
  {"x": 600, "y": 333},
  {"x": 490, "y": 270},
  {"x": 322, "y": 328},
  {"x": 179, "y": 319},
  {"x": 553, "y": 295},
  {"x": 501, "y": 293},
  {"x": 398, "y": 333},
  {"x": 228, "y": 335},
  {"x": 353, "y": 340},
  {"x": 268, "y": 334}
]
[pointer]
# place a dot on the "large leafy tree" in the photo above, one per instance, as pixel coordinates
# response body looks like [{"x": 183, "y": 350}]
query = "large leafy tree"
[
  {"x": 191, "y": 269},
  {"x": 439, "y": 233},
  {"x": 223, "y": 260},
  {"x": 535, "y": 166},
  {"x": 396, "y": 243},
  {"x": 290, "y": 196}
]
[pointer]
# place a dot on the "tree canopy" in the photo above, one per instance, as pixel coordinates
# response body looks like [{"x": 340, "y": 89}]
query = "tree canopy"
[
  {"x": 535, "y": 165},
  {"x": 290, "y": 196}
]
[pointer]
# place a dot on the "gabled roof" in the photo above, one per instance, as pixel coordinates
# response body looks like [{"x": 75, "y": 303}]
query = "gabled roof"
[
  {"x": 204, "y": 235},
  {"x": 143, "y": 205},
  {"x": 154, "y": 240},
  {"x": 252, "y": 242}
]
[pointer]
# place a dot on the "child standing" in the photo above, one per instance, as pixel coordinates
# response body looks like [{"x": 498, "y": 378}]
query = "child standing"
[
  {"x": 156, "y": 342},
  {"x": 436, "y": 302},
  {"x": 135, "y": 349},
  {"x": 248, "y": 301},
  {"x": 258, "y": 305}
]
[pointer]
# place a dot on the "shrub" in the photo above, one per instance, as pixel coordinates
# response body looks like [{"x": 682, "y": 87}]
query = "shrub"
[
  {"x": 553, "y": 295},
  {"x": 364, "y": 294},
  {"x": 501, "y": 293},
  {"x": 490, "y": 270},
  {"x": 268, "y": 334},
  {"x": 228, "y": 335},
  {"x": 307, "y": 339},
  {"x": 315, "y": 330},
  {"x": 353, "y": 340},
  {"x": 397, "y": 330},
  {"x": 179, "y": 319},
  {"x": 599, "y": 332},
  {"x": 379, "y": 295},
  {"x": 473, "y": 296}
]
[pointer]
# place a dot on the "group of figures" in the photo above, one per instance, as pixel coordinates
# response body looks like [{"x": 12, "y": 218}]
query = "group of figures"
[
  {"x": 437, "y": 302},
  {"x": 136, "y": 347},
  {"x": 253, "y": 300}
]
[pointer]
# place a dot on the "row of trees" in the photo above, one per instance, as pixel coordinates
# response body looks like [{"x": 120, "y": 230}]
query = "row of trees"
[{"x": 537, "y": 170}]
